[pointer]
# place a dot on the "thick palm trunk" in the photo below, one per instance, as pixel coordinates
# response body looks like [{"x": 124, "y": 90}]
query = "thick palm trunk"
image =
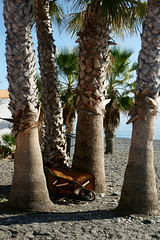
[
  {"x": 89, "y": 151},
  {"x": 54, "y": 140},
  {"x": 91, "y": 91},
  {"x": 109, "y": 138},
  {"x": 139, "y": 192},
  {"x": 29, "y": 190}
]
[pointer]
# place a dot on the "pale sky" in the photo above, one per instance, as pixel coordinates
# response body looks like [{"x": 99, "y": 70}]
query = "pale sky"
[{"x": 61, "y": 40}]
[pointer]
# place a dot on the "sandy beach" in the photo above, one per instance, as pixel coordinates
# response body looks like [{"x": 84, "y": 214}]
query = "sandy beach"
[{"x": 82, "y": 220}]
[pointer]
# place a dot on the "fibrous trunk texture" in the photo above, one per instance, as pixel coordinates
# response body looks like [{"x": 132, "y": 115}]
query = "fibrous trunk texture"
[
  {"x": 109, "y": 137},
  {"x": 70, "y": 126},
  {"x": 28, "y": 189},
  {"x": 139, "y": 194},
  {"x": 89, "y": 151},
  {"x": 91, "y": 93},
  {"x": 54, "y": 153}
]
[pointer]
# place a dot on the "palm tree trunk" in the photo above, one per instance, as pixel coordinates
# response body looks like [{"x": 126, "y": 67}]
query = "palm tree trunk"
[
  {"x": 29, "y": 190},
  {"x": 54, "y": 140},
  {"x": 109, "y": 137},
  {"x": 91, "y": 91},
  {"x": 139, "y": 192},
  {"x": 89, "y": 151},
  {"x": 70, "y": 126}
]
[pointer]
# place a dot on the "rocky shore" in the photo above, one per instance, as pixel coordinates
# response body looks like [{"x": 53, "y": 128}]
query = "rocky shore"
[{"x": 75, "y": 220}]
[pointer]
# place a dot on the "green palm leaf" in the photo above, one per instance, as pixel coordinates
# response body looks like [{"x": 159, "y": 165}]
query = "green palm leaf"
[
  {"x": 56, "y": 13},
  {"x": 123, "y": 16},
  {"x": 119, "y": 87}
]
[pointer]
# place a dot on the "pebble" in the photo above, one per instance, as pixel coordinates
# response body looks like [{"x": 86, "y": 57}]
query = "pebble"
[
  {"x": 116, "y": 194},
  {"x": 148, "y": 221}
]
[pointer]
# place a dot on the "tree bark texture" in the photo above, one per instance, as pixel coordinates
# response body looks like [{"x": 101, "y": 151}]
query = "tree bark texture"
[
  {"x": 109, "y": 138},
  {"x": 54, "y": 153},
  {"x": 29, "y": 190},
  {"x": 139, "y": 192},
  {"x": 89, "y": 151},
  {"x": 70, "y": 126},
  {"x": 91, "y": 94}
]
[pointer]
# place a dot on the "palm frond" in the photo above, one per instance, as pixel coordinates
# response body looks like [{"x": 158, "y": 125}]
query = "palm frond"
[
  {"x": 74, "y": 23},
  {"x": 125, "y": 102},
  {"x": 119, "y": 87},
  {"x": 67, "y": 61},
  {"x": 130, "y": 20},
  {"x": 119, "y": 61},
  {"x": 113, "y": 9},
  {"x": 78, "y": 5},
  {"x": 56, "y": 12},
  {"x": 124, "y": 16}
]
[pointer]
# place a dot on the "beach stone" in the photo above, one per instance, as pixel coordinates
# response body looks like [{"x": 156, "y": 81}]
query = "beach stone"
[
  {"x": 116, "y": 194},
  {"x": 102, "y": 195},
  {"x": 29, "y": 235},
  {"x": 129, "y": 221},
  {"x": 158, "y": 221},
  {"x": 154, "y": 236},
  {"x": 93, "y": 231},
  {"x": 148, "y": 221}
]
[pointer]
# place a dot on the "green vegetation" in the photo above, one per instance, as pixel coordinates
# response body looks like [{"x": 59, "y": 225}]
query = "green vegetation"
[
  {"x": 119, "y": 89},
  {"x": 7, "y": 146}
]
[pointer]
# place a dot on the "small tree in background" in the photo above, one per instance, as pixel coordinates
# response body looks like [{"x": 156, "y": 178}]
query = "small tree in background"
[
  {"x": 67, "y": 62},
  {"x": 118, "y": 89}
]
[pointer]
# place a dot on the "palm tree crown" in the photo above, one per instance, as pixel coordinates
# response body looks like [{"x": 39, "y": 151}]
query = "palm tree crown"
[
  {"x": 124, "y": 16},
  {"x": 118, "y": 90}
]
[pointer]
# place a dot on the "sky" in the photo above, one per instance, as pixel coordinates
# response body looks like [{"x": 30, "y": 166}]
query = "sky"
[{"x": 61, "y": 40}]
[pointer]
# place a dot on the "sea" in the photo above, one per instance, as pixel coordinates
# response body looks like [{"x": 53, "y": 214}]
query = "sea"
[{"x": 125, "y": 130}]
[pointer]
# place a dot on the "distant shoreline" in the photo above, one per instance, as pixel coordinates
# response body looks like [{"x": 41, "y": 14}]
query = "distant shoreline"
[{"x": 129, "y": 139}]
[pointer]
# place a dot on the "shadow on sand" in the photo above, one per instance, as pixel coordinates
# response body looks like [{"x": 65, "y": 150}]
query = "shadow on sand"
[{"x": 12, "y": 216}]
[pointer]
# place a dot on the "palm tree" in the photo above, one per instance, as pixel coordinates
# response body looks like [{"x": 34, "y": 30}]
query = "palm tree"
[
  {"x": 54, "y": 153},
  {"x": 94, "y": 41},
  {"x": 139, "y": 194},
  {"x": 118, "y": 90},
  {"x": 67, "y": 62},
  {"x": 29, "y": 190}
]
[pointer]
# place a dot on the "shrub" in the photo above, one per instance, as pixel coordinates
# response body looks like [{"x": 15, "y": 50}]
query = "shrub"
[{"x": 7, "y": 146}]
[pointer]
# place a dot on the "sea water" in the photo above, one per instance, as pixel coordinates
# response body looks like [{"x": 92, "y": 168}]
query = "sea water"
[{"x": 125, "y": 130}]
